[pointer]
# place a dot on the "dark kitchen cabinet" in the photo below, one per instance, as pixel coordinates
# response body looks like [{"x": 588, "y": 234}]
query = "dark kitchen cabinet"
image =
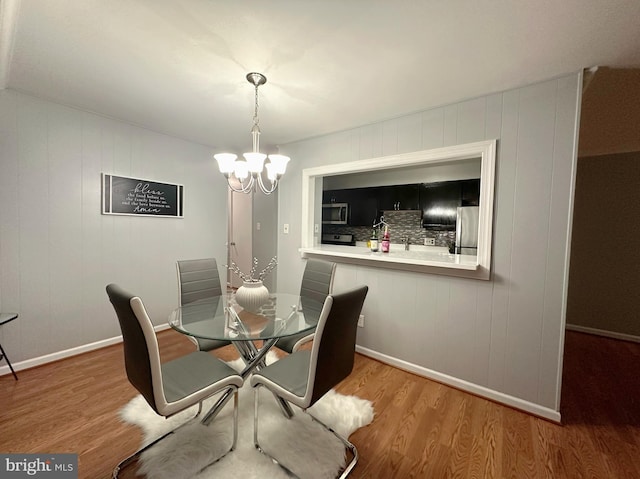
[
  {"x": 439, "y": 201},
  {"x": 363, "y": 204},
  {"x": 401, "y": 197},
  {"x": 470, "y": 192},
  {"x": 335, "y": 196}
]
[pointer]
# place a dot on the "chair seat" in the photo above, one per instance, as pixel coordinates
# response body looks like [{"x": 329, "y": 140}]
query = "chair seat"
[
  {"x": 192, "y": 373},
  {"x": 291, "y": 343},
  {"x": 290, "y": 373},
  {"x": 210, "y": 344}
]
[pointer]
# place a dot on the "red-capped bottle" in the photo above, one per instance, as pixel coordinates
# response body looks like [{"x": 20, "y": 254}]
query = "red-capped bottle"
[{"x": 385, "y": 241}]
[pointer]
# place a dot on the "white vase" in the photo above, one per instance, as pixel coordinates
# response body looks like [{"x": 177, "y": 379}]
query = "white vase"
[{"x": 252, "y": 295}]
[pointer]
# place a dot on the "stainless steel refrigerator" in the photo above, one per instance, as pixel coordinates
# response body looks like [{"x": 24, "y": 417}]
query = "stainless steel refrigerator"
[{"x": 467, "y": 230}]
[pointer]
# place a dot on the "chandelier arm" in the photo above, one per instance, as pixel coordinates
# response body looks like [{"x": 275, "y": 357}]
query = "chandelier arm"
[
  {"x": 243, "y": 188},
  {"x": 264, "y": 189}
]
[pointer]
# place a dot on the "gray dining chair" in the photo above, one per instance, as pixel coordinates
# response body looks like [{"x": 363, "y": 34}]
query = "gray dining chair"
[
  {"x": 317, "y": 283},
  {"x": 199, "y": 279},
  {"x": 304, "y": 376},
  {"x": 173, "y": 386}
]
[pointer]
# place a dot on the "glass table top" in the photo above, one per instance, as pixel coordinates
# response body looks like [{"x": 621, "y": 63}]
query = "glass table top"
[{"x": 223, "y": 319}]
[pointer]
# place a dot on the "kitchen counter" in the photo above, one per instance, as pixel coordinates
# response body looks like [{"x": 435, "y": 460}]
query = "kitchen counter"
[{"x": 429, "y": 259}]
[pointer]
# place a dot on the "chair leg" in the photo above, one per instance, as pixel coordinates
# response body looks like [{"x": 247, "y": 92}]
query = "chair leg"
[
  {"x": 4, "y": 355},
  {"x": 346, "y": 442},
  {"x": 354, "y": 452},
  {"x": 255, "y": 436},
  {"x": 125, "y": 462},
  {"x": 235, "y": 431},
  {"x": 128, "y": 460}
]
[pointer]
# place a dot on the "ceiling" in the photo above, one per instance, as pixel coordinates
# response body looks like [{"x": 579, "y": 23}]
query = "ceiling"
[{"x": 179, "y": 67}]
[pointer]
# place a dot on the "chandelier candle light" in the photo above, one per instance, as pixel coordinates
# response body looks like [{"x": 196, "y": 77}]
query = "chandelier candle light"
[{"x": 248, "y": 171}]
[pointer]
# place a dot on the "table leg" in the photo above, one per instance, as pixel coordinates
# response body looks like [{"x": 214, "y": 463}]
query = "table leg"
[
  {"x": 254, "y": 359},
  {"x": 285, "y": 407},
  {"x": 217, "y": 407},
  {"x": 249, "y": 352},
  {"x": 257, "y": 362}
]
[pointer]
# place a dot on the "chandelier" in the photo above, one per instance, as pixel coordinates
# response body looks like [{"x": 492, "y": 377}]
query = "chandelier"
[{"x": 247, "y": 172}]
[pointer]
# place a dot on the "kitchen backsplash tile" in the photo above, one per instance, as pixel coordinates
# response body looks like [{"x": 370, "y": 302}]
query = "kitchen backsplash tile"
[{"x": 402, "y": 224}]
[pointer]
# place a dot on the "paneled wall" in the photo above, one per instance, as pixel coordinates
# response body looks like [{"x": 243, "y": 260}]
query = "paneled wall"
[
  {"x": 501, "y": 338},
  {"x": 57, "y": 252}
]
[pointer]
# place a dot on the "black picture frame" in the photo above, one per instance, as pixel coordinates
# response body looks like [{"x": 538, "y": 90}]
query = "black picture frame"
[{"x": 124, "y": 195}]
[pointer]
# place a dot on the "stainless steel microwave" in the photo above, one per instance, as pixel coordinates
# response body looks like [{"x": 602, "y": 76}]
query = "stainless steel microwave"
[{"x": 335, "y": 213}]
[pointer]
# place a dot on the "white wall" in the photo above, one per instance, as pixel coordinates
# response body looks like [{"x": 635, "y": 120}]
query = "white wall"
[
  {"x": 57, "y": 252},
  {"x": 501, "y": 338}
]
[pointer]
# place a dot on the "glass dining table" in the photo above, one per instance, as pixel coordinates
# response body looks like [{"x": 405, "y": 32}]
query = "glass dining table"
[{"x": 253, "y": 333}]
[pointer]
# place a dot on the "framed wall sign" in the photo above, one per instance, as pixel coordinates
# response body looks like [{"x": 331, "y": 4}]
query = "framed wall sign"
[{"x": 122, "y": 195}]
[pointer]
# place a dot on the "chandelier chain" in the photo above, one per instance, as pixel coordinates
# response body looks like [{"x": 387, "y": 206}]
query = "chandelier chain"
[{"x": 255, "y": 111}]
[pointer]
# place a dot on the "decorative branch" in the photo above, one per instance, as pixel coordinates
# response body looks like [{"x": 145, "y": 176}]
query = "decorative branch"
[
  {"x": 250, "y": 278},
  {"x": 270, "y": 267}
]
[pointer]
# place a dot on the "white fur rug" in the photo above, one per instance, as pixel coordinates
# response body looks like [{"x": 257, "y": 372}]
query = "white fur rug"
[{"x": 300, "y": 443}]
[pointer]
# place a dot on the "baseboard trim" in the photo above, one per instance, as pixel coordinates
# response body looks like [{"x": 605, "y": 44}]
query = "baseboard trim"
[
  {"x": 602, "y": 332},
  {"x": 482, "y": 391},
  {"x": 67, "y": 353}
]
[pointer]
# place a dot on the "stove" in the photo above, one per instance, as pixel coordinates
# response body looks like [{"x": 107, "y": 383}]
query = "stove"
[{"x": 342, "y": 239}]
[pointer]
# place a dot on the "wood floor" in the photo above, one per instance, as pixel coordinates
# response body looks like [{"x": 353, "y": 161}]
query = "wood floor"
[{"x": 422, "y": 429}]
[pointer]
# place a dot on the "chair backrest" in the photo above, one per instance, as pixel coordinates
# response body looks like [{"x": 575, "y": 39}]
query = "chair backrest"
[
  {"x": 317, "y": 283},
  {"x": 141, "y": 353},
  {"x": 198, "y": 279},
  {"x": 332, "y": 354}
]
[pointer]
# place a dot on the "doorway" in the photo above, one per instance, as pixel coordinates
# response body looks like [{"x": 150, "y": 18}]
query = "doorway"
[
  {"x": 253, "y": 231},
  {"x": 240, "y": 241}
]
